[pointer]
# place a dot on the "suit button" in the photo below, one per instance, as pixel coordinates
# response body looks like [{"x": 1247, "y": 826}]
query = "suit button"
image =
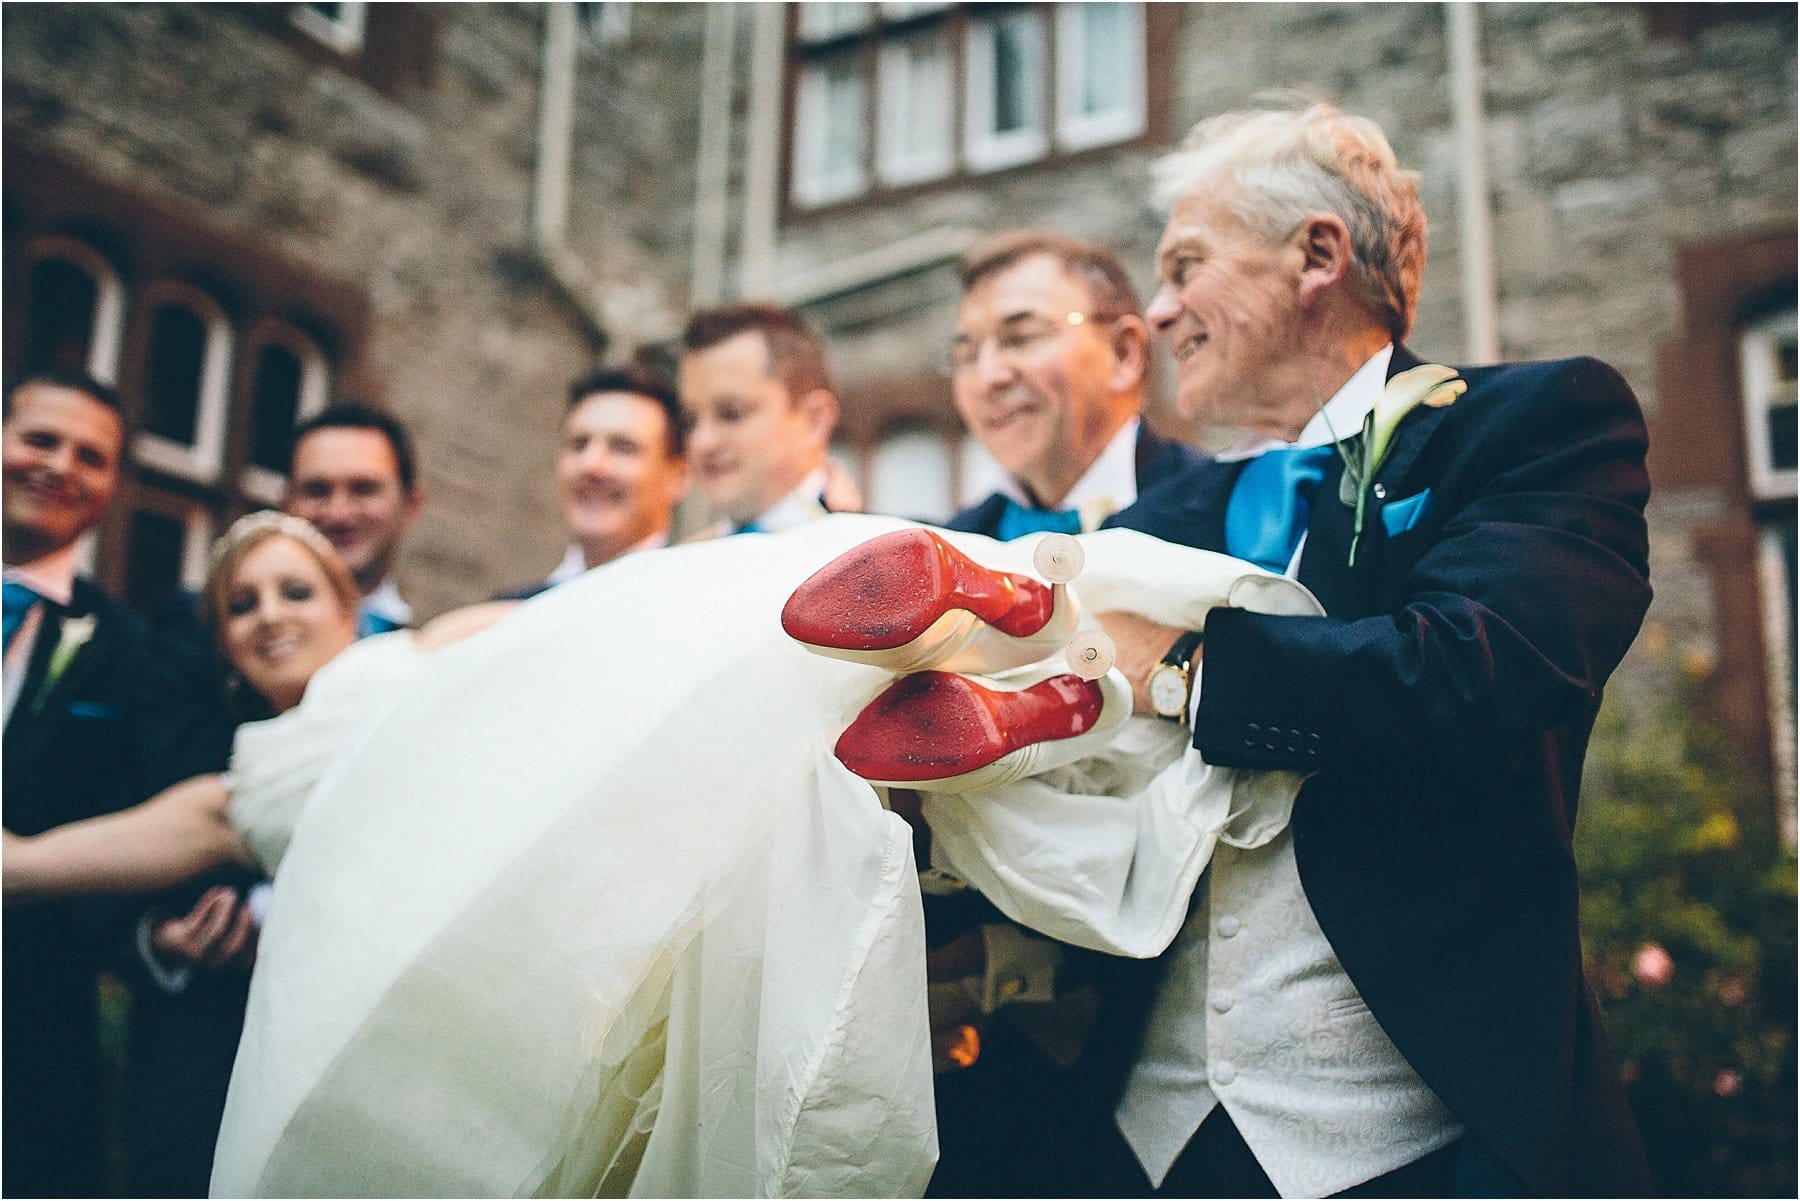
[
  {"x": 1229, "y": 926},
  {"x": 1272, "y": 738},
  {"x": 1224, "y": 1073},
  {"x": 1252, "y": 734},
  {"x": 1312, "y": 744},
  {"x": 1223, "y": 1001}
]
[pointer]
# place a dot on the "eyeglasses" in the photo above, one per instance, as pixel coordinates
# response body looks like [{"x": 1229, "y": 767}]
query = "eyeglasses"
[{"x": 1019, "y": 336}]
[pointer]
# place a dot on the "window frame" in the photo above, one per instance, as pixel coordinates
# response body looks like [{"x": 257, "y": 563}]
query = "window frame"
[
  {"x": 1757, "y": 342},
  {"x": 256, "y": 483},
  {"x": 974, "y": 154},
  {"x": 203, "y": 461},
  {"x": 1078, "y": 131},
  {"x": 107, "y": 342}
]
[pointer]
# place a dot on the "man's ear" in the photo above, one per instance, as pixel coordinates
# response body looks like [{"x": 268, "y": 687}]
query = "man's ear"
[
  {"x": 1325, "y": 255},
  {"x": 1129, "y": 339},
  {"x": 820, "y": 408},
  {"x": 415, "y": 503}
]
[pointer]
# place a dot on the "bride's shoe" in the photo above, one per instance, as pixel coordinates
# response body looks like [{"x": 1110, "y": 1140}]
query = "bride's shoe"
[
  {"x": 939, "y": 731},
  {"x": 909, "y": 600}
]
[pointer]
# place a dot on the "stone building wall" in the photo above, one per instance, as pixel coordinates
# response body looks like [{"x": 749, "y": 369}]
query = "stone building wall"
[{"x": 416, "y": 193}]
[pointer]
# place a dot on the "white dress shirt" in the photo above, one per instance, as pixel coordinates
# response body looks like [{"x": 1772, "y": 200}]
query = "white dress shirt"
[
  {"x": 574, "y": 560},
  {"x": 386, "y": 602},
  {"x": 53, "y": 578}
]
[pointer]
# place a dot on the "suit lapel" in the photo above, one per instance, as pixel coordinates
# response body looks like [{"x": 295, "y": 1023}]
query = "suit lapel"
[{"x": 1204, "y": 504}]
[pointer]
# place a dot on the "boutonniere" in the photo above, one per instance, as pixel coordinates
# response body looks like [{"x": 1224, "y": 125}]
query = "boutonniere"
[
  {"x": 1429, "y": 384},
  {"x": 76, "y": 632}
]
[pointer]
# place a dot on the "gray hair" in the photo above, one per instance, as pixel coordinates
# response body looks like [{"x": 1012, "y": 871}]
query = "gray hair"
[{"x": 1287, "y": 164}]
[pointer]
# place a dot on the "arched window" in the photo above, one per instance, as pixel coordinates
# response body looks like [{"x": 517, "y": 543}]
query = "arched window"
[
  {"x": 74, "y": 309},
  {"x": 186, "y": 381},
  {"x": 909, "y": 474},
  {"x": 288, "y": 381}
]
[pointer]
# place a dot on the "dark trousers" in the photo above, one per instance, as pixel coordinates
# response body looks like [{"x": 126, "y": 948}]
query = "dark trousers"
[{"x": 1217, "y": 1163}]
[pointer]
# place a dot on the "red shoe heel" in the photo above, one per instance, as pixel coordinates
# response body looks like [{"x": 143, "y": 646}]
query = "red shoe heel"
[
  {"x": 941, "y": 731},
  {"x": 909, "y": 600}
]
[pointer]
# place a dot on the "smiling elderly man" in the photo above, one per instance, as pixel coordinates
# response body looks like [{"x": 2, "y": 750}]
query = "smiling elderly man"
[{"x": 1387, "y": 996}]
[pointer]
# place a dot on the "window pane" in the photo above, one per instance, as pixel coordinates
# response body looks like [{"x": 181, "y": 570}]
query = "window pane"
[
  {"x": 1100, "y": 73},
  {"x": 916, "y": 83},
  {"x": 1005, "y": 91},
  {"x": 60, "y": 320},
  {"x": 909, "y": 475},
  {"x": 829, "y": 137},
  {"x": 172, "y": 380},
  {"x": 274, "y": 407}
]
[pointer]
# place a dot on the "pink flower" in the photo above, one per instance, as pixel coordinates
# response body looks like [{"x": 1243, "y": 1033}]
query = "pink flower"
[
  {"x": 1732, "y": 992},
  {"x": 1728, "y": 1083},
  {"x": 1653, "y": 966}
]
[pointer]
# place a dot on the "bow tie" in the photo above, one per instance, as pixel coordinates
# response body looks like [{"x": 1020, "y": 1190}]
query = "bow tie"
[
  {"x": 18, "y": 599},
  {"x": 1271, "y": 504},
  {"x": 375, "y": 623},
  {"x": 1016, "y": 521}
]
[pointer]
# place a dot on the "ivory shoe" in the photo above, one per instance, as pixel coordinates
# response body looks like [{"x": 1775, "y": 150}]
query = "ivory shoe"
[
  {"x": 909, "y": 600},
  {"x": 939, "y": 731}
]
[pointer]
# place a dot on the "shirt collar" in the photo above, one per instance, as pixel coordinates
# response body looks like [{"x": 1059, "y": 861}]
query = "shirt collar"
[
  {"x": 1343, "y": 415},
  {"x": 51, "y": 577},
  {"x": 386, "y": 602},
  {"x": 797, "y": 507},
  {"x": 574, "y": 561},
  {"x": 1107, "y": 486}
]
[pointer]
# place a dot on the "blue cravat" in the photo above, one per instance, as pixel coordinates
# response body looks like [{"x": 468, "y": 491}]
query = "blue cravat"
[
  {"x": 1018, "y": 521},
  {"x": 749, "y": 527},
  {"x": 18, "y": 601},
  {"x": 375, "y": 623},
  {"x": 1271, "y": 504}
]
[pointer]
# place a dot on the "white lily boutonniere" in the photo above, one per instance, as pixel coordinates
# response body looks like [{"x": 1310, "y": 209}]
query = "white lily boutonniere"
[
  {"x": 76, "y": 633},
  {"x": 1429, "y": 384}
]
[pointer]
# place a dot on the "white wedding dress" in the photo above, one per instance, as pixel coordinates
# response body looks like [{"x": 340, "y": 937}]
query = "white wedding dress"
[{"x": 585, "y": 905}]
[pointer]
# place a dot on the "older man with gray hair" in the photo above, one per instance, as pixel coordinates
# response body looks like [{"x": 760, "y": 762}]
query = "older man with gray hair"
[{"x": 1384, "y": 996}]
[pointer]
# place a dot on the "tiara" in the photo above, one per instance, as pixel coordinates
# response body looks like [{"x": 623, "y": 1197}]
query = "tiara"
[{"x": 271, "y": 521}]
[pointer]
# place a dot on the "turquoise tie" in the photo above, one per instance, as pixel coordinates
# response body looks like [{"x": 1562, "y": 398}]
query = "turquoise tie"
[
  {"x": 375, "y": 623},
  {"x": 18, "y": 601},
  {"x": 1271, "y": 504},
  {"x": 1018, "y": 521}
]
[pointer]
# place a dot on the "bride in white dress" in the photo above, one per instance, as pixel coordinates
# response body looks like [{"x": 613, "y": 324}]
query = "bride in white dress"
[{"x": 585, "y": 904}]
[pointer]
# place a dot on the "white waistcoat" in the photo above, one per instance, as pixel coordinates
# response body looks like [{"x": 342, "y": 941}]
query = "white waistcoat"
[{"x": 1256, "y": 1014}]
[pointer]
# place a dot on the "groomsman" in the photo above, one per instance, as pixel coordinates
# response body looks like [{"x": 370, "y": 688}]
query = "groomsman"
[
  {"x": 1386, "y": 995},
  {"x": 354, "y": 476},
  {"x": 621, "y": 469},
  {"x": 96, "y": 720},
  {"x": 1048, "y": 370},
  {"x": 760, "y": 409}
]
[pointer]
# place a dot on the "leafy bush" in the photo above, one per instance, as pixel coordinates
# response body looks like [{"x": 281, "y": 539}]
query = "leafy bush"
[{"x": 1688, "y": 920}]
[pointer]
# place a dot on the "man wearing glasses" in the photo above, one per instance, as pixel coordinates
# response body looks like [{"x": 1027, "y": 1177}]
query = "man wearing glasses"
[{"x": 1048, "y": 369}]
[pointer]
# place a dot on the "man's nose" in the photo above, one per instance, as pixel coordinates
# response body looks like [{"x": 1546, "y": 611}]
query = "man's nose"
[
  {"x": 1164, "y": 310},
  {"x": 60, "y": 459},
  {"x": 993, "y": 367}
]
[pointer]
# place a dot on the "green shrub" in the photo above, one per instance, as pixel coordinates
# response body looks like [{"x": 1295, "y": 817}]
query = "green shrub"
[{"x": 1688, "y": 928}]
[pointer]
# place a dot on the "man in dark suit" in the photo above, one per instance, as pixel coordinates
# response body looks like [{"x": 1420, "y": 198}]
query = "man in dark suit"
[
  {"x": 1048, "y": 368},
  {"x": 1048, "y": 371},
  {"x": 1388, "y": 995},
  {"x": 95, "y": 720},
  {"x": 621, "y": 468}
]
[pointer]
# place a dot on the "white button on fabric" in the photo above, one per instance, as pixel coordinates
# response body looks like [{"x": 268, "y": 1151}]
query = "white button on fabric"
[
  {"x": 1229, "y": 926},
  {"x": 1223, "y": 1001},
  {"x": 1223, "y": 1073}
]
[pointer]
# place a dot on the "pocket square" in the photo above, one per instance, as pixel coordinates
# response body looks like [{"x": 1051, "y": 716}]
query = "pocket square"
[
  {"x": 95, "y": 711},
  {"x": 1399, "y": 516}
]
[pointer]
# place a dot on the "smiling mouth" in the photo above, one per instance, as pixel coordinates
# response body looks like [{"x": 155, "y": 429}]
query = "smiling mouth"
[{"x": 278, "y": 649}]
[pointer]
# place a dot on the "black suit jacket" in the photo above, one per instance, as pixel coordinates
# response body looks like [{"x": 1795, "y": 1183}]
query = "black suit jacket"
[
  {"x": 1162, "y": 465},
  {"x": 119, "y": 724},
  {"x": 1445, "y": 704}
]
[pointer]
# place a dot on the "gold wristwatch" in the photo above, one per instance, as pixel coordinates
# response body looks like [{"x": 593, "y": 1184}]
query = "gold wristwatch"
[{"x": 1170, "y": 680}]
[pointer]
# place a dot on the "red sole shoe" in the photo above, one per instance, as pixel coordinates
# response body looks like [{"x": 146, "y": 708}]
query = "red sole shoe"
[
  {"x": 909, "y": 600},
  {"x": 942, "y": 731}
]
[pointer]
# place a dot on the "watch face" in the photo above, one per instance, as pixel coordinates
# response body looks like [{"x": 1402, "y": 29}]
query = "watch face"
[{"x": 1168, "y": 691}]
